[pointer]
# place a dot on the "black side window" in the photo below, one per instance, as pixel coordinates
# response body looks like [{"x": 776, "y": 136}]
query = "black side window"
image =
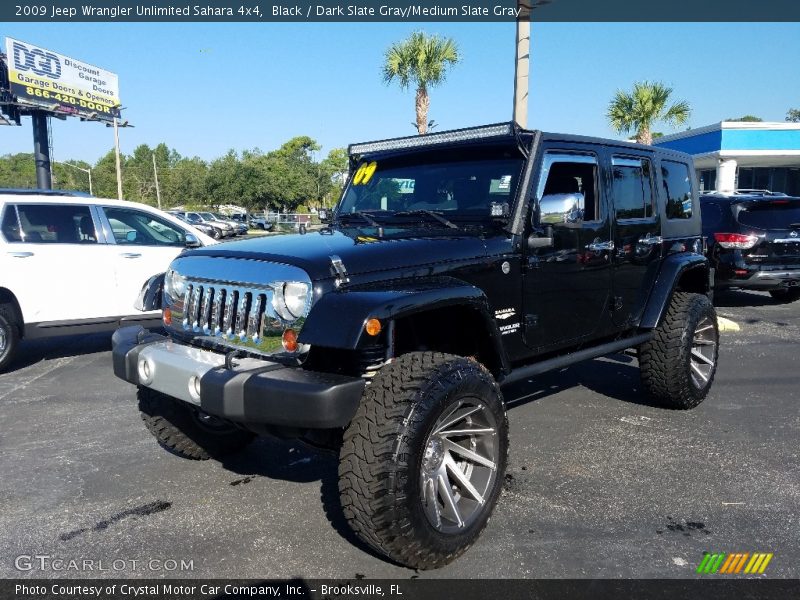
[
  {"x": 633, "y": 191},
  {"x": 712, "y": 215},
  {"x": 677, "y": 189},
  {"x": 569, "y": 192},
  {"x": 50, "y": 224}
]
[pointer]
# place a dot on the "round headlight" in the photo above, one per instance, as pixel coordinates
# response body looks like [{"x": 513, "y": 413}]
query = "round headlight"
[
  {"x": 174, "y": 285},
  {"x": 291, "y": 300}
]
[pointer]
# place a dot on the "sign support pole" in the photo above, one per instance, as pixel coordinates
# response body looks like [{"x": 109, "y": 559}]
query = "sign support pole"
[
  {"x": 119, "y": 166},
  {"x": 41, "y": 150}
]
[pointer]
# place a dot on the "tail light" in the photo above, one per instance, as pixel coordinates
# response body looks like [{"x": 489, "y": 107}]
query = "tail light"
[{"x": 736, "y": 240}]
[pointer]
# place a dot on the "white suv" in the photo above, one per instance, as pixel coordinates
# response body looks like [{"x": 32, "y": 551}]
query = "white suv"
[{"x": 72, "y": 264}]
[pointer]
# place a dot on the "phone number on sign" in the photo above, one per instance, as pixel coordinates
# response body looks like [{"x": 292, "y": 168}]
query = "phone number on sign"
[{"x": 67, "y": 99}]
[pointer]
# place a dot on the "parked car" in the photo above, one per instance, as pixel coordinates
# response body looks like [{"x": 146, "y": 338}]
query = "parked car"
[
  {"x": 261, "y": 223},
  {"x": 225, "y": 228},
  {"x": 207, "y": 229},
  {"x": 238, "y": 227},
  {"x": 71, "y": 263},
  {"x": 753, "y": 239},
  {"x": 454, "y": 262}
]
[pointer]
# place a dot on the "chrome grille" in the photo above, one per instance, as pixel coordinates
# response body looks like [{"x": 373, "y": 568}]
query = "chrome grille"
[{"x": 234, "y": 314}]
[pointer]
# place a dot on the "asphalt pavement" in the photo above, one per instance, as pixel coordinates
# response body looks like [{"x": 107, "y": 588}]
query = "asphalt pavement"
[{"x": 599, "y": 484}]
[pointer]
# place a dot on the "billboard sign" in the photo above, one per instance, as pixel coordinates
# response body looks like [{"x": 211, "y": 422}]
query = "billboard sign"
[{"x": 44, "y": 79}]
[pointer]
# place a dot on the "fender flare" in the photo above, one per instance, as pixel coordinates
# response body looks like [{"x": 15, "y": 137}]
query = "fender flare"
[
  {"x": 338, "y": 318},
  {"x": 673, "y": 268}
]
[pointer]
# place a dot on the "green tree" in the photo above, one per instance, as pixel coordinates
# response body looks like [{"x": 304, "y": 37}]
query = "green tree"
[
  {"x": 18, "y": 171},
  {"x": 746, "y": 119},
  {"x": 332, "y": 172},
  {"x": 639, "y": 109},
  {"x": 421, "y": 61},
  {"x": 793, "y": 115}
]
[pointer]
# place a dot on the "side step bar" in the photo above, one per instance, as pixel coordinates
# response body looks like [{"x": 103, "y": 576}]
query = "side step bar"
[{"x": 574, "y": 357}]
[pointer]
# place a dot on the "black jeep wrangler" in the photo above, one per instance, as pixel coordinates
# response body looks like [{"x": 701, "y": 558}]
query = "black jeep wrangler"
[{"x": 454, "y": 263}]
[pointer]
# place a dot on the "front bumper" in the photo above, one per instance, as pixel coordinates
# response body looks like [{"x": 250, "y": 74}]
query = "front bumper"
[{"x": 253, "y": 391}]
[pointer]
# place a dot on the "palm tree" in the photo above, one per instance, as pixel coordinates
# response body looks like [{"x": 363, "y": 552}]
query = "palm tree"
[
  {"x": 645, "y": 105},
  {"x": 423, "y": 61}
]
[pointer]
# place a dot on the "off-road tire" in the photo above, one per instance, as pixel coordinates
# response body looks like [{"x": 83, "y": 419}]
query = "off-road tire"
[
  {"x": 383, "y": 450},
  {"x": 787, "y": 295},
  {"x": 9, "y": 334},
  {"x": 665, "y": 361},
  {"x": 177, "y": 428}
]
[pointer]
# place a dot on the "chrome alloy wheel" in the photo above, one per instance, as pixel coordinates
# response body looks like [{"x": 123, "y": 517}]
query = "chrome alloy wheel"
[
  {"x": 703, "y": 353},
  {"x": 459, "y": 465}
]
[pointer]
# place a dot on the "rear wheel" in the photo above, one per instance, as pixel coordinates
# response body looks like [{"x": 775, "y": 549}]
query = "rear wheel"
[
  {"x": 786, "y": 295},
  {"x": 9, "y": 334},
  {"x": 187, "y": 431},
  {"x": 422, "y": 463},
  {"x": 679, "y": 363}
]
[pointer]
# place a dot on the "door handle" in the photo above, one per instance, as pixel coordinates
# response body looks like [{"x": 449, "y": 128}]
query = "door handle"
[
  {"x": 20, "y": 254},
  {"x": 651, "y": 240},
  {"x": 598, "y": 246},
  {"x": 130, "y": 255}
]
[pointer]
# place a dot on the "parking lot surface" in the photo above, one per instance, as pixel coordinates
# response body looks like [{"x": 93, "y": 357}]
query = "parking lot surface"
[{"x": 599, "y": 484}]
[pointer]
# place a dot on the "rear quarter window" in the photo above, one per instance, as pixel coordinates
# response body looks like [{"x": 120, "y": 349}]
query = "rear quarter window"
[{"x": 677, "y": 189}]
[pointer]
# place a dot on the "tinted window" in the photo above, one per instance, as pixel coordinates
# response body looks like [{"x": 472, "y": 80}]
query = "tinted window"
[
  {"x": 633, "y": 192},
  {"x": 773, "y": 214},
  {"x": 139, "y": 228},
  {"x": 677, "y": 189},
  {"x": 49, "y": 224},
  {"x": 712, "y": 214},
  {"x": 569, "y": 192}
]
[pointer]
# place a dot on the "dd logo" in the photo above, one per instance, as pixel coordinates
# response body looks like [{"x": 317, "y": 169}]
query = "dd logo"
[{"x": 40, "y": 62}]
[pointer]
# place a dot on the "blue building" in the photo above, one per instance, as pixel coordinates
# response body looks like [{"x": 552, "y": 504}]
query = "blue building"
[{"x": 742, "y": 155}]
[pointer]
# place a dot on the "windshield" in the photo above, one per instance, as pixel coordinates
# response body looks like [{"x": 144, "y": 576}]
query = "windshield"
[
  {"x": 453, "y": 188},
  {"x": 208, "y": 216}
]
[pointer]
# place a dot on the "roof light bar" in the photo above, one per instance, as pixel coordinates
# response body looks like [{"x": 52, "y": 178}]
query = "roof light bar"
[{"x": 432, "y": 139}]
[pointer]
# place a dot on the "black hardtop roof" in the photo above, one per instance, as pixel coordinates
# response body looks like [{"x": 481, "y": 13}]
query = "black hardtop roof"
[{"x": 509, "y": 132}]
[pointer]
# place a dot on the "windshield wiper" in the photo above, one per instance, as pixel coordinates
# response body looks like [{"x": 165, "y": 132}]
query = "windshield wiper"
[
  {"x": 362, "y": 215},
  {"x": 429, "y": 213}
]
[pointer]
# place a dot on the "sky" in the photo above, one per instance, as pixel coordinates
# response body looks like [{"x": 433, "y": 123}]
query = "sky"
[{"x": 206, "y": 88}]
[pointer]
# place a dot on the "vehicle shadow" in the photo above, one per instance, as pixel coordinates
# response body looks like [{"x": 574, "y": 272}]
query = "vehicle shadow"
[
  {"x": 31, "y": 352},
  {"x": 294, "y": 461},
  {"x": 743, "y": 299},
  {"x": 615, "y": 376}
]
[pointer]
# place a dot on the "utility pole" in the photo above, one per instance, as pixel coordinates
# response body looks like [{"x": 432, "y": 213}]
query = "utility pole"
[
  {"x": 155, "y": 173},
  {"x": 119, "y": 165},
  {"x": 522, "y": 69},
  {"x": 41, "y": 150}
]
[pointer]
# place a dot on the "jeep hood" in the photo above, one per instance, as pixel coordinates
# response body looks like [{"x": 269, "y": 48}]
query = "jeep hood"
[{"x": 359, "y": 253}]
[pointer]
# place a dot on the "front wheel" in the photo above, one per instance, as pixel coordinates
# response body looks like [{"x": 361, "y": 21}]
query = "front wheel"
[
  {"x": 422, "y": 463},
  {"x": 679, "y": 363},
  {"x": 216, "y": 234},
  {"x": 186, "y": 431}
]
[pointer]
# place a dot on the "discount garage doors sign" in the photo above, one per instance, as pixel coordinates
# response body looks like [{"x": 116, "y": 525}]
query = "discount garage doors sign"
[{"x": 45, "y": 79}]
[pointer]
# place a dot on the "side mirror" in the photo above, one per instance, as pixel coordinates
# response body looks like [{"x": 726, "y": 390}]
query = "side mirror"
[{"x": 191, "y": 241}]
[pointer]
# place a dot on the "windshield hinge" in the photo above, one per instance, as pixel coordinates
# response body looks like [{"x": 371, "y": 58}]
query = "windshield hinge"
[{"x": 339, "y": 271}]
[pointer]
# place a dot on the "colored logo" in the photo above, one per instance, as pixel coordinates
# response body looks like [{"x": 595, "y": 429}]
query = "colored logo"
[{"x": 734, "y": 563}]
